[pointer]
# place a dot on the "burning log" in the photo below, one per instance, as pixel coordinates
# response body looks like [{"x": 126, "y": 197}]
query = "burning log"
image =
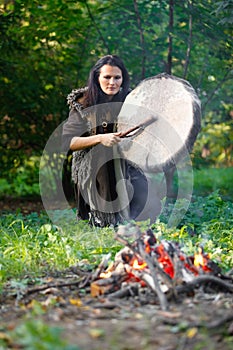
[{"x": 160, "y": 266}]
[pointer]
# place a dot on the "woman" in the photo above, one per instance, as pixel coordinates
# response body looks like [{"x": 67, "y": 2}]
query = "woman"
[{"x": 90, "y": 133}]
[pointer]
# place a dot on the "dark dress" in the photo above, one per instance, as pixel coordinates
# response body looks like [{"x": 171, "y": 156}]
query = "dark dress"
[{"x": 97, "y": 172}]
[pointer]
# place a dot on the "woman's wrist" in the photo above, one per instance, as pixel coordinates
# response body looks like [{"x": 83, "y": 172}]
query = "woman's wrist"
[{"x": 79, "y": 143}]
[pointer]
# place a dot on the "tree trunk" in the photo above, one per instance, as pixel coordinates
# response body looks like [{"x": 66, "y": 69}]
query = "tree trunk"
[
  {"x": 171, "y": 22},
  {"x": 188, "y": 52},
  {"x": 142, "y": 40}
]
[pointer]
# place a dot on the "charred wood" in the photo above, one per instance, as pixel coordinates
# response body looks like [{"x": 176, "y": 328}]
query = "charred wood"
[{"x": 213, "y": 281}]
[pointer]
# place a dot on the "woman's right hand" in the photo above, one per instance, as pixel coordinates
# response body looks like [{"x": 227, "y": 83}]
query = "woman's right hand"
[
  {"x": 78, "y": 143},
  {"x": 110, "y": 139}
]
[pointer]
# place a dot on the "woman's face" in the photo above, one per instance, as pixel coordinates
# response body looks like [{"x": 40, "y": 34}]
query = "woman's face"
[{"x": 110, "y": 79}]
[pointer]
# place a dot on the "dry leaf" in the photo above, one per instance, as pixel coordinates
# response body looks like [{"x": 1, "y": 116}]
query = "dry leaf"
[
  {"x": 76, "y": 302},
  {"x": 96, "y": 332}
]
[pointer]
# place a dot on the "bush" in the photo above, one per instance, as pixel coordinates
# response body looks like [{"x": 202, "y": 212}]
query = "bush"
[{"x": 22, "y": 180}]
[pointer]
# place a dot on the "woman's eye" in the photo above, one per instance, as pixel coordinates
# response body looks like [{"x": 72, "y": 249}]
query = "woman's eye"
[{"x": 117, "y": 77}]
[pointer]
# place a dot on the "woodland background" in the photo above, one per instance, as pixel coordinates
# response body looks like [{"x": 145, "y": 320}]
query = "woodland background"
[{"x": 47, "y": 49}]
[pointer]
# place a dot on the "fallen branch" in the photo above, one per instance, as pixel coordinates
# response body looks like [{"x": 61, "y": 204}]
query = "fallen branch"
[
  {"x": 219, "y": 323},
  {"x": 214, "y": 324},
  {"x": 102, "y": 266},
  {"x": 29, "y": 291},
  {"x": 125, "y": 292},
  {"x": 191, "y": 285}
]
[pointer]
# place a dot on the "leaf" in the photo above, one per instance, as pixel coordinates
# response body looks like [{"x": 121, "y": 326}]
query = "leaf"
[
  {"x": 76, "y": 302},
  {"x": 192, "y": 332},
  {"x": 96, "y": 332}
]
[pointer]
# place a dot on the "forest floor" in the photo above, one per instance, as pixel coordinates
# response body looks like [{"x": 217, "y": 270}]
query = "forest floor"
[
  {"x": 23, "y": 205},
  {"x": 200, "y": 321},
  {"x": 203, "y": 321}
]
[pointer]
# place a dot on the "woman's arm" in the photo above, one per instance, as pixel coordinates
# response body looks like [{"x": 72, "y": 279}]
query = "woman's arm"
[{"x": 77, "y": 143}]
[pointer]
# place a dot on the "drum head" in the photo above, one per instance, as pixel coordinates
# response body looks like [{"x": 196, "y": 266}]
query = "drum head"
[{"x": 176, "y": 110}]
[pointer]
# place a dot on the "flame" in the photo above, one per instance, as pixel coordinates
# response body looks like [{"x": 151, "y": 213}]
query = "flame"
[
  {"x": 197, "y": 263},
  {"x": 139, "y": 265},
  {"x": 147, "y": 248},
  {"x": 201, "y": 260},
  {"x": 131, "y": 267},
  {"x": 165, "y": 261},
  {"x": 106, "y": 274}
]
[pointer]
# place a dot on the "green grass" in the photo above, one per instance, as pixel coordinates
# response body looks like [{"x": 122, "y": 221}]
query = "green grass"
[
  {"x": 33, "y": 334},
  {"x": 205, "y": 181},
  {"x": 208, "y": 180},
  {"x": 32, "y": 245},
  {"x": 208, "y": 222}
]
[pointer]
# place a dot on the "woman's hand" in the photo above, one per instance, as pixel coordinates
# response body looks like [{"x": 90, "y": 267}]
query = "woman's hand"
[{"x": 110, "y": 139}]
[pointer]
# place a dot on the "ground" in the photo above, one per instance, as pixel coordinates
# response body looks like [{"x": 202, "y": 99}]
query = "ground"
[
  {"x": 199, "y": 321},
  {"x": 25, "y": 206},
  {"x": 203, "y": 320}
]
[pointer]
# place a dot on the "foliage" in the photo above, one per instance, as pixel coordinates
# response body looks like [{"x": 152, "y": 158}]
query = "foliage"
[
  {"x": 22, "y": 180},
  {"x": 209, "y": 223},
  {"x": 36, "y": 335},
  {"x": 224, "y": 10},
  {"x": 214, "y": 145},
  {"x": 31, "y": 245},
  {"x": 207, "y": 180},
  {"x": 203, "y": 211}
]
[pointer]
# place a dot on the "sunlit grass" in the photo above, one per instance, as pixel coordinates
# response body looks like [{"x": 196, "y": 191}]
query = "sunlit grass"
[
  {"x": 33, "y": 245},
  {"x": 26, "y": 248},
  {"x": 207, "y": 180}
]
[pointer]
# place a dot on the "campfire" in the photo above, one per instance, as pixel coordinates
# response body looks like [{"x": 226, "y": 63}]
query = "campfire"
[{"x": 159, "y": 266}]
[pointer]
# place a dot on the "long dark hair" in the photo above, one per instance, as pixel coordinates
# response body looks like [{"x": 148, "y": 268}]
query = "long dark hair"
[{"x": 94, "y": 94}]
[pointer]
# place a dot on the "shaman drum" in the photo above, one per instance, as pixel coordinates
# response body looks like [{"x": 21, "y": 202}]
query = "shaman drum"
[{"x": 163, "y": 114}]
